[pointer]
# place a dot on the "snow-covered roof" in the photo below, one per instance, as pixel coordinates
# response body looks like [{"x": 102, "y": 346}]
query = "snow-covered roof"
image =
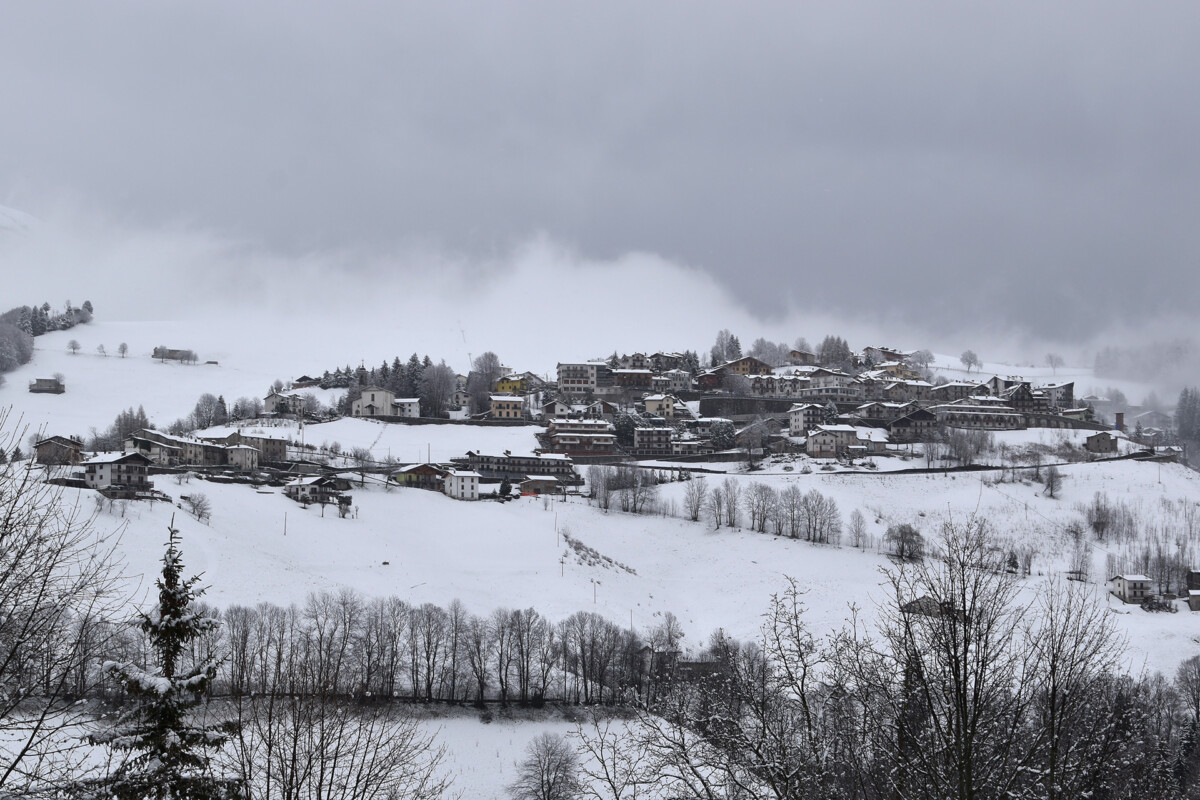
[
  {"x": 1142, "y": 578},
  {"x": 109, "y": 458},
  {"x": 463, "y": 473}
]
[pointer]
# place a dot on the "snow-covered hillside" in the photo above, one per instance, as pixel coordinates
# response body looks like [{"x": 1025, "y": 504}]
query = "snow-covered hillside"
[
  {"x": 425, "y": 547},
  {"x": 513, "y": 555}
]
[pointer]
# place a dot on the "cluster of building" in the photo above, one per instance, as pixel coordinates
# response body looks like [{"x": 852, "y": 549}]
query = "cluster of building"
[{"x": 880, "y": 397}]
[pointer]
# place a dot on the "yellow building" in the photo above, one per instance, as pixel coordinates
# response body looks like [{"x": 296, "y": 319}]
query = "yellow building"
[{"x": 512, "y": 384}]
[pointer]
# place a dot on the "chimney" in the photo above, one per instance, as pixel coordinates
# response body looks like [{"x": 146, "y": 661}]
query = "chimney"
[{"x": 1120, "y": 420}]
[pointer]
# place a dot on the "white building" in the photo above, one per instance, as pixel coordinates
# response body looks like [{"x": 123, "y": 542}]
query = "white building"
[
  {"x": 1130, "y": 588},
  {"x": 803, "y": 417},
  {"x": 462, "y": 484},
  {"x": 583, "y": 377},
  {"x": 829, "y": 441},
  {"x": 379, "y": 402},
  {"x": 118, "y": 470}
]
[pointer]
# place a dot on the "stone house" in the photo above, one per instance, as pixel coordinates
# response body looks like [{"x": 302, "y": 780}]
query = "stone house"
[
  {"x": 47, "y": 386},
  {"x": 1103, "y": 443},
  {"x": 59, "y": 450}
]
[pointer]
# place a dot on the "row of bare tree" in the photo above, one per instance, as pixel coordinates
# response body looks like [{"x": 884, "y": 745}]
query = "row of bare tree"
[{"x": 964, "y": 685}]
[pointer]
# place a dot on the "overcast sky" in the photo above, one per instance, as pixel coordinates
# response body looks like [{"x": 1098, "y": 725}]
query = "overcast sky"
[{"x": 1031, "y": 167}]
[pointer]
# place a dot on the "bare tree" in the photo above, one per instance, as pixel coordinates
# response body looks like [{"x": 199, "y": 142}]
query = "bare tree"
[
  {"x": 485, "y": 371},
  {"x": 819, "y": 518},
  {"x": 1053, "y": 480},
  {"x": 601, "y": 483},
  {"x": 615, "y": 763},
  {"x": 694, "y": 495},
  {"x": 858, "y": 529},
  {"x": 319, "y": 745},
  {"x": 100, "y": 349},
  {"x": 74, "y": 346},
  {"x": 1187, "y": 678},
  {"x": 437, "y": 385},
  {"x": 921, "y": 359},
  {"x": 58, "y": 585},
  {"x": 732, "y": 490},
  {"x": 761, "y": 502},
  {"x": 969, "y": 360},
  {"x": 200, "y": 506},
  {"x": 716, "y": 506},
  {"x": 1054, "y": 361},
  {"x": 123, "y": 349},
  {"x": 550, "y": 771},
  {"x": 906, "y": 542}
]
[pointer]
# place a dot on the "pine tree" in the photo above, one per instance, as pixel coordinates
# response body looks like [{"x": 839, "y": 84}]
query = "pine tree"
[
  {"x": 412, "y": 376},
  {"x": 168, "y": 752},
  {"x": 37, "y": 321}
]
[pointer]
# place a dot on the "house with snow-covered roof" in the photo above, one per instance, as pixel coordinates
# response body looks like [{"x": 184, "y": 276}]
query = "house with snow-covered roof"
[
  {"x": 461, "y": 484},
  {"x": 661, "y": 405},
  {"x": 506, "y": 406},
  {"x": 1130, "y": 588},
  {"x": 126, "y": 471},
  {"x": 804, "y": 417},
  {"x": 831, "y": 441},
  {"x": 421, "y": 476},
  {"x": 318, "y": 489}
]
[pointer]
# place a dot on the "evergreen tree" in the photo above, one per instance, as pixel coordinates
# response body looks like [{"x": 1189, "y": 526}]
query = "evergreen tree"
[
  {"x": 396, "y": 380},
  {"x": 412, "y": 376},
  {"x": 1187, "y": 414},
  {"x": 37, "y": 321},
  {"x": 735, "y": 349},
  {"x": 623, "y": 425},
  {"x": 221, "y": 411},
  {"x": 723, "y": 435},
  {"x": 167, "y": 752},
  {"x": 691, "y": 362}
]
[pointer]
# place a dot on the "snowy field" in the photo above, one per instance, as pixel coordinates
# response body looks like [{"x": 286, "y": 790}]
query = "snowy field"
[{"x": 513, "y": 555}]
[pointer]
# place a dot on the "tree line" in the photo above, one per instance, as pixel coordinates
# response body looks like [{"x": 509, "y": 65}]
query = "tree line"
[{"x": 417, "y": 377}]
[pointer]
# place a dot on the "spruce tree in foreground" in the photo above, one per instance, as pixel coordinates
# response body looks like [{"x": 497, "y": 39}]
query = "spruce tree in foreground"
[{"x": 168, "y": 751}]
